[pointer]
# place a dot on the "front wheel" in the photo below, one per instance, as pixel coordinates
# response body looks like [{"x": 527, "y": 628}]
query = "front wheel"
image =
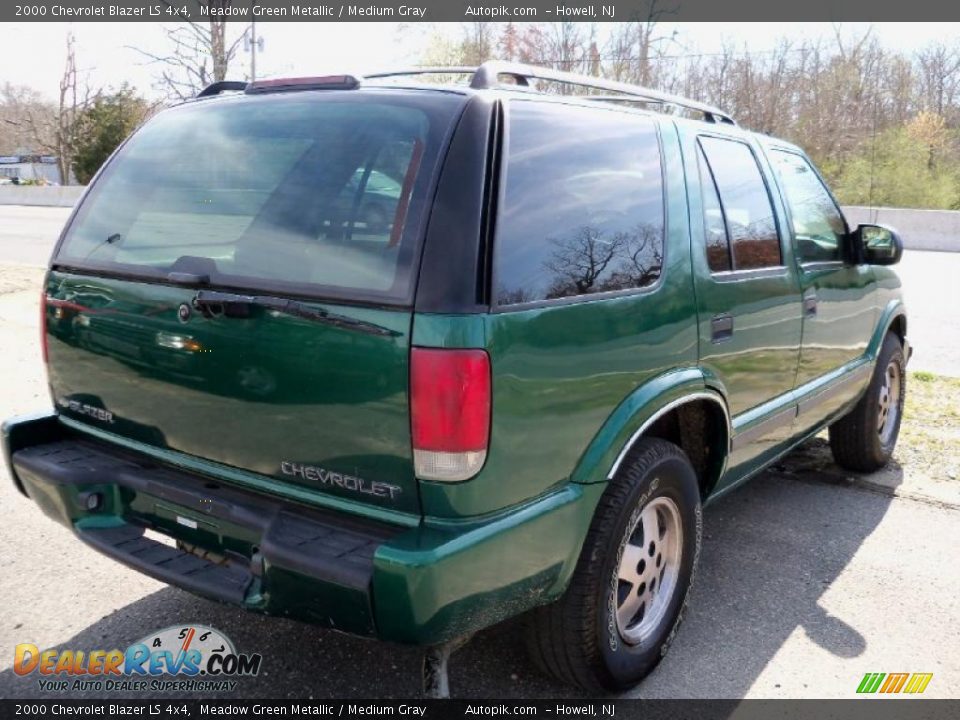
[
  {"x": 626, "y": 598},
  {"x": 863, "y": 440}
]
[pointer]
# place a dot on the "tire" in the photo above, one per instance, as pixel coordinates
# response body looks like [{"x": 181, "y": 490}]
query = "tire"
[
  {"x": 863, "y": 440},
  {"x": 579, "y": 638}
]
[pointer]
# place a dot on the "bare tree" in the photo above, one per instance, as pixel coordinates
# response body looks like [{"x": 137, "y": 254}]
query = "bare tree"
[
  {"x": 59, "y": 134},
  {"x": 579, "y": 262},
  {"x": 938, "y": 81},
  {"x": 508, "y": 45},
  {"x": 479, "y": 43},
  {"x": 633, "y": 45},
  {"x": 18, "y": 104},
  {"x": 834, "y": 95},
  {"x": 200, "y": 54}
]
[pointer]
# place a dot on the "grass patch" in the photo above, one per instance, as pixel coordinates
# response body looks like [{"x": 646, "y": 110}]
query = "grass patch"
[{"x": 930, "y": 433}]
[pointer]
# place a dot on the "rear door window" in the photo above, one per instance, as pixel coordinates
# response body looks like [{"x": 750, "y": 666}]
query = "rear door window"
[
  {"x": 714, "y": 227},
  {"x": 747, "y": 210},
  {"x": 582, "y": 208},
  {"x": 320, "y": 193}
]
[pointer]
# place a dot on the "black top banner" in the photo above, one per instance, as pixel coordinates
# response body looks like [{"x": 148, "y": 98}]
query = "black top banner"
[
  {"x": 588, "y": 709},
  {"x": 473, "y": 11}
]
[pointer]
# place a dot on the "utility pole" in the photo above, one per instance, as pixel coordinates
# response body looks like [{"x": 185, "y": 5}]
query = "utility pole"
[
  {"x": 253, "y": 51},
  {"x": 251, "y": 43}
]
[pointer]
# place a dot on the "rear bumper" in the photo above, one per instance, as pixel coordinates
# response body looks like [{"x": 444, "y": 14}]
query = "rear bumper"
[{"x": 418, "y": 585}]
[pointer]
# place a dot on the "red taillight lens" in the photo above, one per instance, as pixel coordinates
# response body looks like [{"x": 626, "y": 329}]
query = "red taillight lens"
[
  {"x": 449, "y": 412},
  {"x": 43, "y": 327}
]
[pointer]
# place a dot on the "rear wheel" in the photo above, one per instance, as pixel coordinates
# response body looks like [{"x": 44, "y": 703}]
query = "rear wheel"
[
  {"x": 623, "y": 606},
  {"x": 863, "y": 440}
]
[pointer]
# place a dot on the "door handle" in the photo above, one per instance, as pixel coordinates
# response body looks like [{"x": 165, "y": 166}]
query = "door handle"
[
  {"x": 810, "y": 304},
  {"x": 721, "y": 327}
]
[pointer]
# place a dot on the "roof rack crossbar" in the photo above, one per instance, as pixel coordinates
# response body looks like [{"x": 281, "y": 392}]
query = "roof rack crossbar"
[
  {"x": 222, "y": 86},
  {"x": 488, "y": 75}
]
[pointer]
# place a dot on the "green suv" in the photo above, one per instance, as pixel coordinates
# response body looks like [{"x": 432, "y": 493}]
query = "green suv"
[{"x": 406, "y": 359}]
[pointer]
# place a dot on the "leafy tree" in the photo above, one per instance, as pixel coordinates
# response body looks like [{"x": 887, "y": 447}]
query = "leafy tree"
[
  {"x": 104, "y": 124},
  {"x": 914, "y": 165}
]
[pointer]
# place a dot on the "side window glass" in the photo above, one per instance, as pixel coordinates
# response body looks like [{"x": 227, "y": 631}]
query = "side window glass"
[
  {"x": 714, "y": 228},
  {"x": 751, "y": 225},
  {"x": 817, "y": 224},
  {"x": 582, "y": 208}
]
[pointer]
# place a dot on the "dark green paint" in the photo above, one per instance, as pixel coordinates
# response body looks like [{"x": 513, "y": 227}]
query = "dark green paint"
[
  {"x": 845, "y": 318},
  {"x": 432, "y": 584},
  {"x": 260, "y": 390}
]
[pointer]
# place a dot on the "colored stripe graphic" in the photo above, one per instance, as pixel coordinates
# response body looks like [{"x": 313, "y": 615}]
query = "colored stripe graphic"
[
  {"x": 911, "y": 683},
  {"x": 870, "y": 682},
  {"x": 918, "y": 682},
  {"x": 894, "y": 682}
]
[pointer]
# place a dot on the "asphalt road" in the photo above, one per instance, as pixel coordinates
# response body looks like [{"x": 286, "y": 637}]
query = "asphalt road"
[
  {"x": 808, "y": 580},
  {"x": 27, "y": 236}
]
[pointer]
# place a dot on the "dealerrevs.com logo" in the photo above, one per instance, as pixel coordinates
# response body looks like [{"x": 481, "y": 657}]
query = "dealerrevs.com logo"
[{"x": 178, "y": 658}]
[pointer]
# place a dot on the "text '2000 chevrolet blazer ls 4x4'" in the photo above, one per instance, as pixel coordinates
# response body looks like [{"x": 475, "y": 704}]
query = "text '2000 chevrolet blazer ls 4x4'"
[{"x": 407, "y": 359}]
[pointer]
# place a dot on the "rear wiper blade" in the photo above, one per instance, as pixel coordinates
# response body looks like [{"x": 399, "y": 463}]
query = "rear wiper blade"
[
  {"x": 213, "y": 302},
  {"x": 110, "y": 240}
]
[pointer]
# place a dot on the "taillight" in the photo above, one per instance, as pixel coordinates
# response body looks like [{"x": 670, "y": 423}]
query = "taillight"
[
  {"x": 43, "y": 327},
  {"x": 449, "y": 412}
]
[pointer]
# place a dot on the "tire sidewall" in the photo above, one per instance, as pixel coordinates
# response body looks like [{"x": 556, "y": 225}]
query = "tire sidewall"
[
  {"x": 671, "y": 477},
  {"x": 890, "y": 352}
]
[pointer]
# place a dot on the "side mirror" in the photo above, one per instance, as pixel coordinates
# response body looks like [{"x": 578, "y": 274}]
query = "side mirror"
[{"x": 877, "y": 245}]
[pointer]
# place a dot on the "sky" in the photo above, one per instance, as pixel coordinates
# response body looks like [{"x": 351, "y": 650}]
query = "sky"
[{"x": 33, "y": 53}]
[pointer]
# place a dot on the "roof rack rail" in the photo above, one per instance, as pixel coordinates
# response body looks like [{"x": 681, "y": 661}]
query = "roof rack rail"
[
  {"x": 429, "y": 70},
  {"x": 222, "y": 86},
  {"x": 488, "y": 76}
]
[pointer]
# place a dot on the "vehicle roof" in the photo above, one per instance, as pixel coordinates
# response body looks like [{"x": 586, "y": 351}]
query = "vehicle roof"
[
  {"x": 490, "y": 76},
  {"x": 405, "y": 84}
]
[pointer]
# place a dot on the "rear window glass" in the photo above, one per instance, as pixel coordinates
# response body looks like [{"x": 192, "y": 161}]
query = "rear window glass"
[
  {"x": 320, "y": 193},
  {"x": 750, "y": 222},
  {"x": 582, "y": 209}
]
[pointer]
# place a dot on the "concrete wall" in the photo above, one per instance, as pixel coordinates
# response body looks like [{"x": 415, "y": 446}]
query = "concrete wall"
[
  {"x": 920, "y": 229},
  {"x": 45, "y": 195}
]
